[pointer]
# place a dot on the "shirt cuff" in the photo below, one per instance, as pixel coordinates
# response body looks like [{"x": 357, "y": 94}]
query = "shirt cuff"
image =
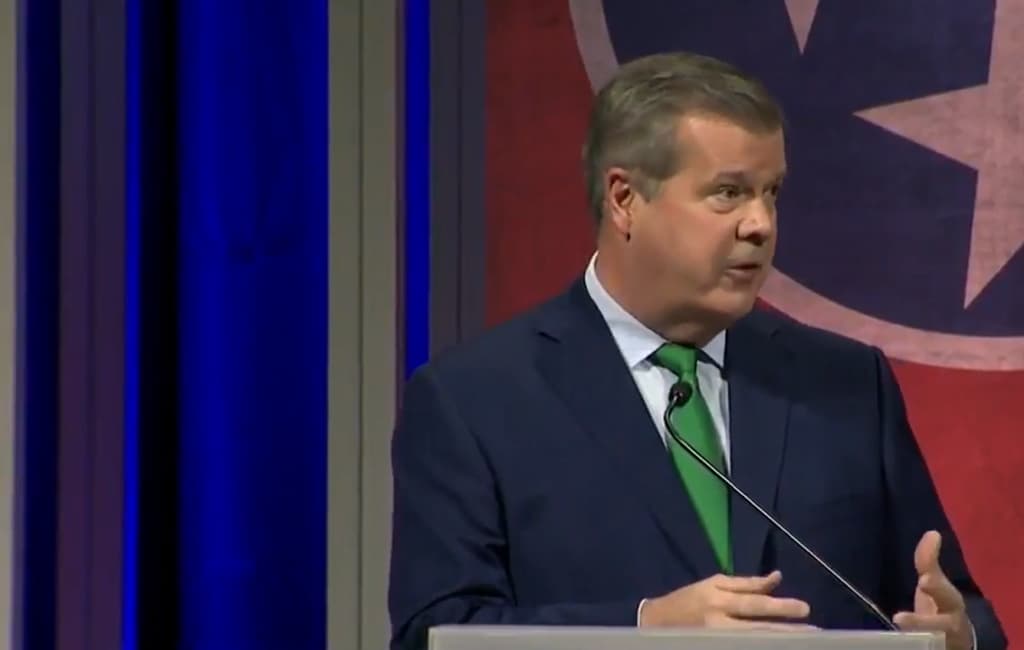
[
  {"x": 974, "y": 633},
  {"x": 640, "y": 609}
]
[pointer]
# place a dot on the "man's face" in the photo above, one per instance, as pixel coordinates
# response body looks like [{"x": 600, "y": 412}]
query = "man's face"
[{"x": 703, "y": 245}]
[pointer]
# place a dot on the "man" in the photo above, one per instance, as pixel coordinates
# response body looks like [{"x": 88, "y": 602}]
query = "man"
[{"x": 536, "y": 482}]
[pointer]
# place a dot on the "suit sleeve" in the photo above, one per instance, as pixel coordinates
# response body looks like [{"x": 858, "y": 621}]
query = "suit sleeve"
[
  {"x": 913, "y": 509},
  {"x": 449, "y": 550}
]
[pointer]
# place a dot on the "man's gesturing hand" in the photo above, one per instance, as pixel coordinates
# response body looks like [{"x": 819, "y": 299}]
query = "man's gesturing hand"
[
  {"x": 938, "y": 606},
  {"x": 726, "y": 601}
]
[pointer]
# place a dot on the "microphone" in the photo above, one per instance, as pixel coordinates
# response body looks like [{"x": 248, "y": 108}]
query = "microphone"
[{"x": 679, "y": 395}]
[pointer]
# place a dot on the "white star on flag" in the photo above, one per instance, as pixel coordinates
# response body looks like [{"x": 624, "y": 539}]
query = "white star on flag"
[
  {"x": 981, "y": 127},
  {"x": 801, "y": 16}
]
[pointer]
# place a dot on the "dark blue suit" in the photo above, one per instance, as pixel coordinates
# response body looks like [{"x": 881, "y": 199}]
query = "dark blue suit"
[{"x": 531, "y": 486}]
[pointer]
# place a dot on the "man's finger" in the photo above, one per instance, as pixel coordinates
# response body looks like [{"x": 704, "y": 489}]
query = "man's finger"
[
  {"x": 749, "y": 585},
  {"x": 759, "y": 606},
  {"x": 926, "y": 555},
  {"x": 925, "y": 622},
  {"x": 923, "y": 603},
  {"x": 947, "y": 598}
]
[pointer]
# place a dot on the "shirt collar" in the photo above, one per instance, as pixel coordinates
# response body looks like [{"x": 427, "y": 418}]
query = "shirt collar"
[{"x": 636, "y": 341}]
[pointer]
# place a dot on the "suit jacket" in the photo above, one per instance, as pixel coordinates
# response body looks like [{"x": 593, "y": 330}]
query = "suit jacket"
[{"x": 531, "y": 486}]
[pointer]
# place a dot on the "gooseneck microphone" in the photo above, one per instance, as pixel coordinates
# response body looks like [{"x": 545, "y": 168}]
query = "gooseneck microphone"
[{"x": 679, "y": 395}]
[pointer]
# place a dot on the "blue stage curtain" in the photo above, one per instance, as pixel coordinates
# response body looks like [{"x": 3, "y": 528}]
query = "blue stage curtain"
[{"x": 253, "y": 236}]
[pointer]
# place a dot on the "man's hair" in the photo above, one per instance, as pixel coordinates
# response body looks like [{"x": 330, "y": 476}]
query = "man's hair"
[{"x": 635, "y": 116}]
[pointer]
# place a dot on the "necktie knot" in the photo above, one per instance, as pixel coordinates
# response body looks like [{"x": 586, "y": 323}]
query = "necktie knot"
[{"x": 681, "y": 360}]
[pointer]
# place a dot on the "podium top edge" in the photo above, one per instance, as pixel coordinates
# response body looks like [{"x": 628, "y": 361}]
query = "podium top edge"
[{"x": 569, "y": 630}]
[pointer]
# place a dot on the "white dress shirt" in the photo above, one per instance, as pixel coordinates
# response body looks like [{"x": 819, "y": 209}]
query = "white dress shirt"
[{"x": 637, "y": 343}]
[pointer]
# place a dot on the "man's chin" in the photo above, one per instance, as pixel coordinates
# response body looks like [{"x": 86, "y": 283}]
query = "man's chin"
[{"x": 733, "y": 307}]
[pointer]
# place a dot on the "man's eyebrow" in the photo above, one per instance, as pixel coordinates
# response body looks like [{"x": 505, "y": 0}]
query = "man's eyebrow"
[{"x": 740, "y": 178}]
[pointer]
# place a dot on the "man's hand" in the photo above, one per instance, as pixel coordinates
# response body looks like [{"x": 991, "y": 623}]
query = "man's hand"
[
  {"x": 938, "y": 606},
  {"x": 726, "y": 601}
]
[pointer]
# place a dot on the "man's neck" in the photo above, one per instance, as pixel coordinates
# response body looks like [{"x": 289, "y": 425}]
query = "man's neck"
[{"x": 686, "y": 328}]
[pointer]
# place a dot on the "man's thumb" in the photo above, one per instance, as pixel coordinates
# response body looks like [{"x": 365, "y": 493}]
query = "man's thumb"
[{"x": 926, "y": 555}]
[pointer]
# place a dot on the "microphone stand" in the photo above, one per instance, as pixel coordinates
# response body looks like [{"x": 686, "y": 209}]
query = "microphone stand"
[{"x": 679, "y": 395}]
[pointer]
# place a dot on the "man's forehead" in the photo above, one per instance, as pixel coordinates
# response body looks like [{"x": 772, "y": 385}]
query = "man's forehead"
[{"x": 715, "y": 149}]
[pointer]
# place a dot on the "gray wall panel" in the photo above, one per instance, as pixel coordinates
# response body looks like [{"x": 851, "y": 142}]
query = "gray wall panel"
[
  {"x": 8, "y": 101},
  {"x": 457, "y": 69},
  {"x": 363, "y": 305},
  {"x": 366, "y": 113},
  {"x": 472, "y": 140},
  {"x": 380, "y": 362},
  {"x": 344, "y": 363}
]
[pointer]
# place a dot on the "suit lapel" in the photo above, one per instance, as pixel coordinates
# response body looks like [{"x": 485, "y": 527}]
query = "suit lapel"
[
  {"x": 758, "y": 414},
  {"x": 584, "y": 366}
]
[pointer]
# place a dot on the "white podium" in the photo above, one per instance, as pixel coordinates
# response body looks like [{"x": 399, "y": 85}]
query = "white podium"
[{"x": 485, "y": 637}]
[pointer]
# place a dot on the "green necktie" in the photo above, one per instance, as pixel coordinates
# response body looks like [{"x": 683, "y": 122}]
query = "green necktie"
[{"x": 693, "y": 423}]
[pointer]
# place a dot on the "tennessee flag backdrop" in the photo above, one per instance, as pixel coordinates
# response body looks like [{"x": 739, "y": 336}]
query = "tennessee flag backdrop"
[{"x": 902, "y": 220}]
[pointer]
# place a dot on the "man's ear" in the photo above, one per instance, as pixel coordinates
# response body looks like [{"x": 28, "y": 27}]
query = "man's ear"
[{"x": 621, "y": 200}]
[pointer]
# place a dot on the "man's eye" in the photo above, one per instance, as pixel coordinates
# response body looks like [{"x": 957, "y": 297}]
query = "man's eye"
[{"x": 728, "y": 192}]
